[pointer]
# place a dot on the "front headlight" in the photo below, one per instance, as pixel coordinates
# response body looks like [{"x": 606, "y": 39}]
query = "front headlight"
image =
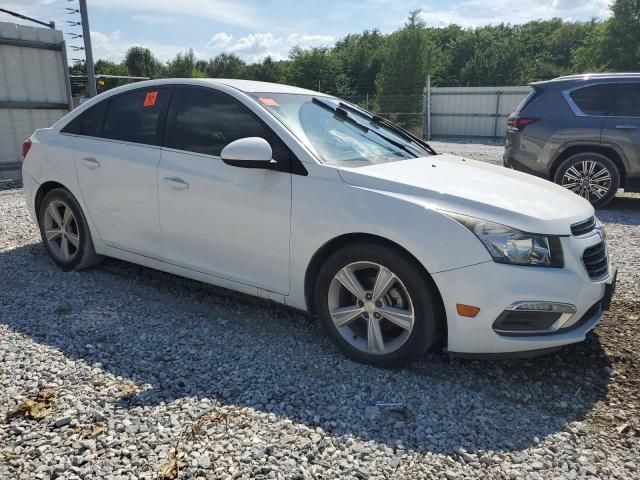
[{"x": 508, "y": 245}]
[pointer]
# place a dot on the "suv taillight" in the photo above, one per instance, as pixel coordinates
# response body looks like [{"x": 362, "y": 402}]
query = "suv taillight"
[
  {"x": 26, "y": 145},
  {"x": 517, "y": 124}
]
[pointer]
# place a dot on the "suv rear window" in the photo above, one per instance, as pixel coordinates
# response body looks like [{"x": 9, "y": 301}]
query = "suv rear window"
[
  {"x": 533, "y": 94},
  {"x": 595, "y": 99}
]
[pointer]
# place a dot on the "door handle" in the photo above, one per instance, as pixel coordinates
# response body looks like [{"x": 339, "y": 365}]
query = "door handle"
[
  {"x": 627, "y": 127},
  {"x": 176, "y": 183},
  {"x": 91, "y": 163}
]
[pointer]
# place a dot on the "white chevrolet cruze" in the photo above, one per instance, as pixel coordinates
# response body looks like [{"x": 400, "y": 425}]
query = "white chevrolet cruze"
[{"x": 307, "y": 200}]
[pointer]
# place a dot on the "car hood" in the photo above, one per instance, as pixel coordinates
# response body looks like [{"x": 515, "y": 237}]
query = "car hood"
[{"x": 451, "y": 183}]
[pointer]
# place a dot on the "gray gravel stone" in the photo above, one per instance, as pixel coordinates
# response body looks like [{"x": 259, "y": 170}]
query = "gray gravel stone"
[{"x": 138, "y": 357}]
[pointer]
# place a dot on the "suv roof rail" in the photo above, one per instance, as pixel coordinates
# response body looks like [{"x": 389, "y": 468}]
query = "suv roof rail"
[{"x": 587, "y": 76}]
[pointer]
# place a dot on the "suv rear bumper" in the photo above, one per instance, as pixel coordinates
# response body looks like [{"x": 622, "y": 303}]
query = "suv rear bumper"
[{"x": 510, "y": 162}]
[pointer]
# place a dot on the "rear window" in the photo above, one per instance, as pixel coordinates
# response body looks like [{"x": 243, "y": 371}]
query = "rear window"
[
  {"x": 595, "y": 99},
  {"x": 133, "y": 117},
  {"x": 533, "y": 94},
  {"x": 89, "y": 122}
]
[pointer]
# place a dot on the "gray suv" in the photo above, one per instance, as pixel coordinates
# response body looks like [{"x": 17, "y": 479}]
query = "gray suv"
[{"x": 580, "y": 131}]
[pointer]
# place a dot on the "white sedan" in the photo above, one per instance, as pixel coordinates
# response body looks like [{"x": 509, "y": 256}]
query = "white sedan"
[{"x": 304, "y": 199}]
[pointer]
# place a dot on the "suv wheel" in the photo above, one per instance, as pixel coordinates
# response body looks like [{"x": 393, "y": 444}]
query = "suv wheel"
[
  {"x": 65, "y": 232},
  {"x": 376, "y": 306},
  {"x": 591, "y": 175}
]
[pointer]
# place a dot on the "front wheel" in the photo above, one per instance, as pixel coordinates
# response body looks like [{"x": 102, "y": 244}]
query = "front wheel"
[
  {"x": 377, "y": 305},
  {"x": 591, "y": 175}
]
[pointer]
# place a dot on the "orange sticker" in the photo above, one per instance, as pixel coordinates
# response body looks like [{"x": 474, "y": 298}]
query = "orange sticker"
[
  {"x": 269, "y": 102},
  {"x": 150, "y": 99}
]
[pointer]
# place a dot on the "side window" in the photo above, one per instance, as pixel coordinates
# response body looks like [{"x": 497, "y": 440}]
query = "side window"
[
  {"x": 133, "y": 117},
  {"x": 628, "y": 102},
  {"x": 88, "y": 123},
  {"x": 205, "y": 121},
  {"x": 595, "y": 100}
]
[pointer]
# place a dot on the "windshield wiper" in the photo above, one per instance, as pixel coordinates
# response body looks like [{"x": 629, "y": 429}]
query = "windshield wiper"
[
  {"x": 343, "y": 113},
  {"x": 340, "y": 112},
  {"x": 391, "y": 126}
]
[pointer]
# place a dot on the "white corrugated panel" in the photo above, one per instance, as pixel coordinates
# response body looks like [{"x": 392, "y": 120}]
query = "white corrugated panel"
[
  {"x": 473, "y": 111},
  {"x": 28, "y": 75}
]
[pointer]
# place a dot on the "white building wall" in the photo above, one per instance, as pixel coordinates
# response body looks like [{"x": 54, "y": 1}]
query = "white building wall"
[
  {"x": 34, "y": 90},
  {"x": 473, "y": 111}
]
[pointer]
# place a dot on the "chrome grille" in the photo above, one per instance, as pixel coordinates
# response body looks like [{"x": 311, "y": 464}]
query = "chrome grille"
[
  {"x": 595, "y": 260},
  {"x": 583, "y": 228}
]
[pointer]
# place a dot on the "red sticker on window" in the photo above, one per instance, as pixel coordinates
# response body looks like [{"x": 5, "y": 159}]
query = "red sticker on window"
[
  {"x": 269, "y": 102},
  {"x": 150, "y": 99}
]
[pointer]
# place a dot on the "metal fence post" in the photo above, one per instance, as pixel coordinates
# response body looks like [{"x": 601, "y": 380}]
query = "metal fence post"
[
  {"x": 426, "y": 110},
  {"x": 497, "y": 117}
]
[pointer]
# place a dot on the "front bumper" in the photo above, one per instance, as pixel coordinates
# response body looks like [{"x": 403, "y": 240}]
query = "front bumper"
[{"x": 494, "y": 287}]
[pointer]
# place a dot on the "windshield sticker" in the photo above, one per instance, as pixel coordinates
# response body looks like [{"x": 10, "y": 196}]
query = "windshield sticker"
[
  {"x": 269, "y": 102},
  {"x": 150, "y": 99}
]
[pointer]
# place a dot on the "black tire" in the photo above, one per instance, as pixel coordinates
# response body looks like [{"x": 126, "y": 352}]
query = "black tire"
[
  {"x": 84, "y": 255},
  {"x": 602, "y": 162},
  {"x": 420, "y": 288}
]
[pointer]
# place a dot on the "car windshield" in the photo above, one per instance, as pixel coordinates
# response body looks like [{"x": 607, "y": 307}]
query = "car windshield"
[{"x": 339, "y": 133}]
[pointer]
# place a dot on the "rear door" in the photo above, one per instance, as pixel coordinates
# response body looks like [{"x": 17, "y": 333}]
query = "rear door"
[
  {"x": 622, "y": 126},
  {"x": 215, "y": 218},
  {"x": 116, "y": 157}
]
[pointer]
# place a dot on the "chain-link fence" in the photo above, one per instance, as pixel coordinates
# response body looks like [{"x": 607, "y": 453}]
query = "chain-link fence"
[
  {"x": 449, "y": 112},
  {"x": 405, "y": 110}
]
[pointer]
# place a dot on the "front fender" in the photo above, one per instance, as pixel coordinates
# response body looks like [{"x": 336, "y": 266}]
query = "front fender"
[{"x": 318, "y": 216}]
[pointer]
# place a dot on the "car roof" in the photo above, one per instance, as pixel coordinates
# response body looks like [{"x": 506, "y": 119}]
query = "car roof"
[{"x": 247, "y": 86}]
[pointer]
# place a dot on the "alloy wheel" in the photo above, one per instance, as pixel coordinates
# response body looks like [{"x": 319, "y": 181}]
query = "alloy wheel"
[
  {"x": 589, "y": 179},
  {"x": 61, "y": 231},
  {"x": 371, "y": 308}
]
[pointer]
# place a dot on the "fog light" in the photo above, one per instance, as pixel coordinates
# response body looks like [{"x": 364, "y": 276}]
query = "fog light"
[{"x": 533, "y": 318}]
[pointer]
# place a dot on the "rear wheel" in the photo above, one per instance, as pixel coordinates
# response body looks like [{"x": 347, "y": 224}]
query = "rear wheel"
[
  {"x": 376, "y": 305},
  {"x": 65, "y": 232},
  {"x": 593, "y": 176}
]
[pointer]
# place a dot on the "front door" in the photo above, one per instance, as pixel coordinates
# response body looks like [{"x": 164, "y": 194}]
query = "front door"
[{"x": 218, "y": 219}]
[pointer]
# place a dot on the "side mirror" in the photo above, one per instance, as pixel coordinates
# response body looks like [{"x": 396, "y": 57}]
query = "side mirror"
[{"x": 250, "y": 152}]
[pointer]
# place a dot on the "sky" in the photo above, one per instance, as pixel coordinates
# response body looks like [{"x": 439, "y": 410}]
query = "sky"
[{"x": 253, "y": 29}]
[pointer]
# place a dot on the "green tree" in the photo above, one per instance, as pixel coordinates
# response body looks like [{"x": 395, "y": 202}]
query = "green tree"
[
  {"x": 184, "y": 66},
  {"x": 410, "y": 55},
  {"x": 225, "y": 65},
  {"x": 623, "y": 36},
  {"x": 361, "y": 57},
  {"x": 591, "y": 55},
  {"x": 142, "y": 63},
  {"x": 317, "y": 69},
  {"x": 494, "y": 60},
  {"x": 267, "y": 71}
]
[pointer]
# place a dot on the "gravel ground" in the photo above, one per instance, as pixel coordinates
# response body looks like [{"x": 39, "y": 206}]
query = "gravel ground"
[{"x": 125, "y": 372}]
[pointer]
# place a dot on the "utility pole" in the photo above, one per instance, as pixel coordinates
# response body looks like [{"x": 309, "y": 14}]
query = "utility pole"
[{"x": 86, "y": 35}]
